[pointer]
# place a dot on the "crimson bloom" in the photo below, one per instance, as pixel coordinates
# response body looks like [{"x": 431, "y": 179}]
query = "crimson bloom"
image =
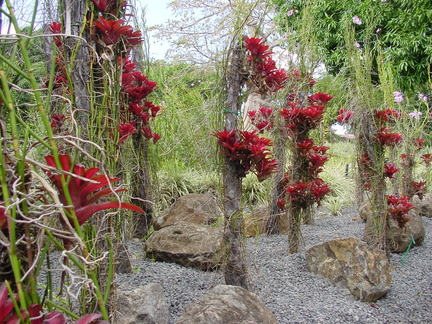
[
  {"x": 85, "y": 193},
  {"x": 126, "y": 130},
  {"x": 427, "y": 158},
  {"x": 345, "y": 115},
  {"x": 112, "y": 30},
  {"x": 258, "y": 50},
  {"x": 390, "y": 169},
  {"x": 56, "y": 28},
  {"x": 387, "y": 138},
  {"x": 419, "y": 143},
  {"x": 137, "y": 86},
  {"x": 398, "y": 207},
  {"x": 387, "y": 114},
  {"x": 320, "y": 98},
  {"x": 419, "y": 188},
  {"x": 57, "y": 122},
  {"x": 111, "y": 6}
]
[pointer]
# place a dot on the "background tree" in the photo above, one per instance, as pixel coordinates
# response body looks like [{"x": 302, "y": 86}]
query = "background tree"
[{"x": 400, "y": 29}]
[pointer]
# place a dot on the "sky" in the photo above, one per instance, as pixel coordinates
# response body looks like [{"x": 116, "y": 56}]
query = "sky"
[{"x": 157, "y": 13}]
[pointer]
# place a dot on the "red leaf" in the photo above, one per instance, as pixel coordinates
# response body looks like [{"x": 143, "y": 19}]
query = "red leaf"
[
  {"x": 6, "y": 304},
  {"x": 86, "y": 212}
]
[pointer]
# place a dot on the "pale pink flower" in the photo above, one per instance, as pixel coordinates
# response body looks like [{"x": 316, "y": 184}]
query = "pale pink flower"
[
  {"x": 398, "y": 97},
  {"x": 421, "y": 96},
  {"x": 357, "y": 20},
  {"x": 415, "y": 114}
]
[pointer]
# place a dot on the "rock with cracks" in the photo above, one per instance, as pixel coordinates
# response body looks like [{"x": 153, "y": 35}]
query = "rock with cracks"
[
  {"x": 188, "y": 244},
  {"x": 424, "y": 205},
  {"x": 228, "y": 305},
  {"x": 350, "y": 263},
  {"x": 193, "y": 208},
  {"x": 143, "y": 305}
]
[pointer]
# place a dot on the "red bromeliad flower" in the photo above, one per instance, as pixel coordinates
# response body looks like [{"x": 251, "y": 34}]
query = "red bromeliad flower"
[
  {"x": 317, "y": 161},
  {"x": 57, "y": 122},
  {"x": 56, "y": 28},
  {"x": 319, "y": 189},
  {"x": 137, "y": 86},
  {"x": 398, "y": 207},
  {"x": 419, "y": 188},
  {"x": 281, "y": 204},
  {"x": 35, "y": 314},
  {"x": 320, "y": 98},
  {"x": 261, "y": 119},
  {"x": 111, "y": 6},
  {"x": 258, "y": 50},
  {"x": 387, "y": 138},
  {"x": 299, "y": 119},
  {"x": 248, "y": 152},
  {"x": 427, "y": 158},
  {"x": 390, "y": 169},
  {"x": 3, "y": 218},
  {"x": 112, "y": 31},
  {"x": 85, "y": 193},
  {"x": 306, "y": 193},
  {"x": 306, "y": 145},
  {"x": 265, "y": 74},
  {"x": 387, "y": 115},
  {"x": 419, "y": 143},
  {"x": 345, "y": 115},
  {"x": 126, "y": 130}
]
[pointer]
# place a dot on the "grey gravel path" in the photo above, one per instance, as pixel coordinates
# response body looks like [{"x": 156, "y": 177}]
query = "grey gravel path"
[{"x": 295, "y": 295}]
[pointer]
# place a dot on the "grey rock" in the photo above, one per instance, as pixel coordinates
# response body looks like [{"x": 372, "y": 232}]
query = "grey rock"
[
  {"x": 350, "y": 263},
  {"x": 143, "y": 305},
  {"x": 228, "y": 305},
  {"x": 188, "y": 244},
  {"x": 194, "y": 208}
]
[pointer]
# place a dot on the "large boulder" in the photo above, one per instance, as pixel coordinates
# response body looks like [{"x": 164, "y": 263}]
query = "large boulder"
[
  {"x": 193, "y": 208},
  {"x": 399, "y": 238},
  {"x": 143, "y": 305},
  {"x": 228, "y": 305},
  {"x": 424, "y": 205},
  {"x": 188, "y": 244},
  {"x": 350, "y": 263}
]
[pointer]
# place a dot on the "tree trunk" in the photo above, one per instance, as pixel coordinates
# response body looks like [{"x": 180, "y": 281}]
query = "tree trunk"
[
  {"x": 294, "y": 215},
  {"x": 235, "y": 268},
  {"x": 277, "y": 221},
  {"x": 142, "y": 188}
]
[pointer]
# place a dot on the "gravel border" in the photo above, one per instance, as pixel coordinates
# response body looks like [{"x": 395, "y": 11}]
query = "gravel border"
[{"x": 292, "y": 293}]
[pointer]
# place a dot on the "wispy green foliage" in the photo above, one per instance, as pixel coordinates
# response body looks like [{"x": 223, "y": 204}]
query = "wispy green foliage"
[{"x": 402, "y": 29}]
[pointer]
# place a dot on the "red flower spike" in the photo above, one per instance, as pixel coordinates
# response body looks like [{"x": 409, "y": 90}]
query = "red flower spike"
[
  {"x": 387, "y": 115},
  {"x": 305, "y": 145},
  {"x": 419, "y": 143},
  {"x": 419, "y": 188},
  {"x": 281, "y": 204},
  {"x": 320, "y": 98},
  {"x": 137, "y": 86},
  {"x": 345, "y": 115},
  {"x": 156, "y": 137},
  {"x": 90, "y": 319},
  {"x": 427, "y": 159},
  {"x": 258, "y": 50},
  {"x": 84, "y": 194},
  {"x": 57, "y": 122},
  {"x": 252, "y": 115},
  {"x": 56, "y": 28},
  {"x": 6, "y": 304},
  {"x": 126, "y": 130},
  {"x": 266, "y": 112},
  {"x": 3, "y": 218},
  {"x": 390, "y": 169},
  {"x": 398, "y": 207},
  {"x": 127, "y": 65},
  {"x": 387, "y": 138}
]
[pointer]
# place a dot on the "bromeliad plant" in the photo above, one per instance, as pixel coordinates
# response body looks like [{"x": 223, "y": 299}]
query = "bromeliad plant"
[{"x": 248, "y": 152}]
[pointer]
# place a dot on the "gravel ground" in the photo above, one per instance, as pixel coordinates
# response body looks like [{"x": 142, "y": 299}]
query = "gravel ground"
[{"x": 292, "y": 293}]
